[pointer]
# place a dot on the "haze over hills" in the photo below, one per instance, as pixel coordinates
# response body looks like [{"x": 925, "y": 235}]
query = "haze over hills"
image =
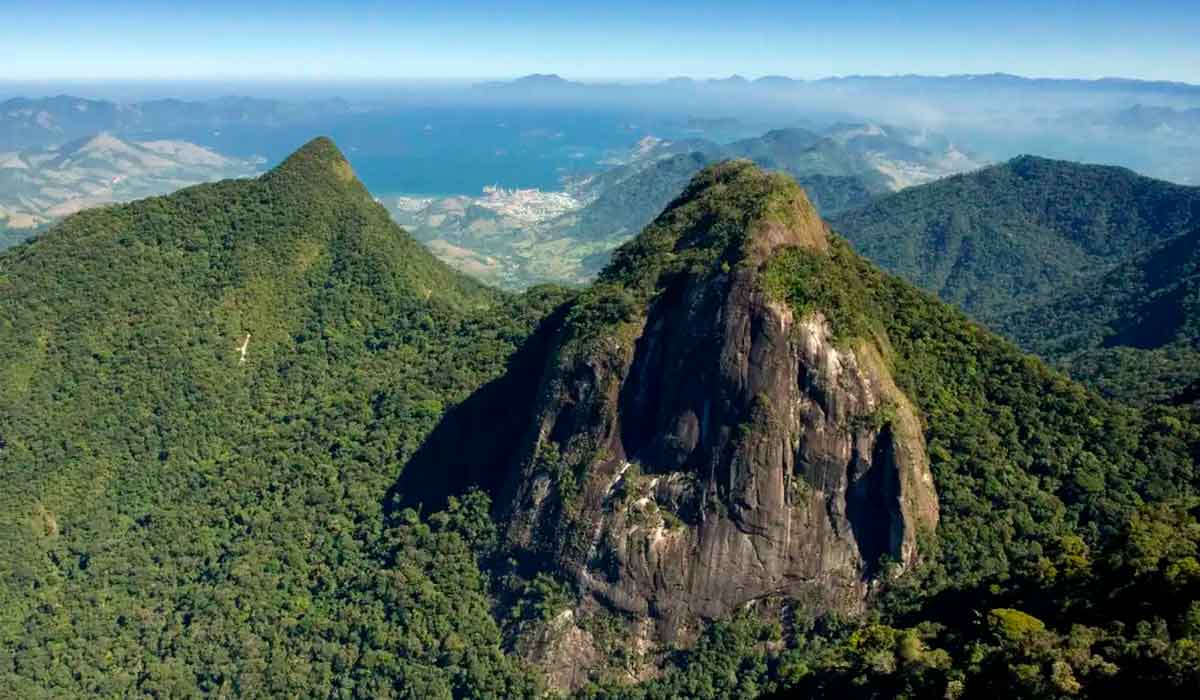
[
  {"x": 995, "y": 116},
  {"x": 534, "y": 237},
  {"x": 27, "y": 123},
  {"x": 216, "y": 406},
  {"x": 40, "y": 186},
  {"x": 550, "y": 84}
]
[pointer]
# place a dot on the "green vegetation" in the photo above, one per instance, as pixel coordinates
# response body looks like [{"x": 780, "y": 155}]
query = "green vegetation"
[
  {"x": 1046, "y": 492},
  {"x": 182, "y": 519},
  {"x": 12, "y": 236},
  {"x": 1065, "y": 559},
  {"x": 575, "y": 247},
  {"x": 1001, "y": 238},
  {"x": 1109, "y": 623},
  {"x": 802, "y": 154},
  {"x": 1134, "y": 332},
  {"x": 1034, "y": 474},
  {"x": 1021, "y": 455},
  {"x": 177, "y": 522},
  {"x": 708, "y": 227}
]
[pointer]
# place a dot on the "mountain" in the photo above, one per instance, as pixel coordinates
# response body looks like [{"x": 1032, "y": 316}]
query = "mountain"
[
  {"x": 256, "y": 441},
  {"x": 758, "y": 461},
  {"x": 1148, "y": 119},
  {"x": 1132, "y": 331},
  {"x": 674, "y": 502},
  {"x": 840, "y": 170},
  {"x": 35, "y": 123},
  {"x": 29, "y": 124},
  {"x": 1150, "y": 138},
  {"x": 959, "y": 84},
  {"x": 1002, "y": 238},
  {"x": 884, "y": 158},
  {"x": 967, "y": 82},
  {"x": 40, "y": 186},
  {"x": 533, "y": 80},
  {"x": 905, "y": 157},
  {"x": 998, "y": 115},
  {"x": 801, "y": 152},
  {"x": 204, "y": 401}
]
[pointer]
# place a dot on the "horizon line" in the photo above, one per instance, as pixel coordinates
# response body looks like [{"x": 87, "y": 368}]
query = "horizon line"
[{"x": 588, "y": 81}]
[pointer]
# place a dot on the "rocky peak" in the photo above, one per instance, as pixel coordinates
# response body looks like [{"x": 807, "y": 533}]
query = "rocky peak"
[{"x": 699, "y": 446}]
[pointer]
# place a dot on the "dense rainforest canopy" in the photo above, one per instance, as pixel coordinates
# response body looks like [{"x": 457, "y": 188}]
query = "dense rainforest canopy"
[
  {"x": 208, "y": 402},
  {"x": 181, "y": 518},
  {"x": 1000, "y": 238}
]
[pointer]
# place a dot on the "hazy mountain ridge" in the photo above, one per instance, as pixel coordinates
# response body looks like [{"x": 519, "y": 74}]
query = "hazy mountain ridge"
[
  {"x": 841, "y": 168},
  {"x": 27, "y": 123},
  {"x": 997, "y": 115},
  {"x": 954, "y": 82},
  {"x": 41, "y": 186}
]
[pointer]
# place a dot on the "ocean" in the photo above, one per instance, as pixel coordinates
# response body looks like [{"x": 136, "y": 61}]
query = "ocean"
[{"x": 428, "y": 151}]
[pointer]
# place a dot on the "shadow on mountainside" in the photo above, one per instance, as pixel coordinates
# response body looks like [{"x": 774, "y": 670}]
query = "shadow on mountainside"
[{"x": 475, "y": 443}]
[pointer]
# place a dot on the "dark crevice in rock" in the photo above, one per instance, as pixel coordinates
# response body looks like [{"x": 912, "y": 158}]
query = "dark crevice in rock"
[{"x": 871, "y": 502}]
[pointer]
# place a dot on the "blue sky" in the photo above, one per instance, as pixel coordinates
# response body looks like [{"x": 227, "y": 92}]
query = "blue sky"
[{"x": 593, "y": 39}]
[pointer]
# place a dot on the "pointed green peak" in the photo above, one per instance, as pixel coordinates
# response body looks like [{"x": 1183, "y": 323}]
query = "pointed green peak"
[
  {"x": 731, "y": 213},
  {"x": 318, "y": 160}
]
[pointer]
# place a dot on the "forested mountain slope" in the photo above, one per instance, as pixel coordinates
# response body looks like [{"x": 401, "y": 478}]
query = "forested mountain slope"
[
  {"x": 1133, "y": 332},
  {"x": 996, "y": 240},
  {"x": 215, "y": 407},
  {"x": 734, "y": 421},
  {"x": 1064, "y": 561},
  {"x": 204, "y": 400}
]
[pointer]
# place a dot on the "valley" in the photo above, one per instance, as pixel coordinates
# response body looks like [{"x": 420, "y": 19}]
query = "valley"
[{"x": 529, "y": 236}]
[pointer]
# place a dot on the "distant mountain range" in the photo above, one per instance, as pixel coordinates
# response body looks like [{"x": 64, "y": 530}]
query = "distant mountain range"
[
  {"x": 1153, "y": 119},
  {"x": 1139, "y": 124},
  {"x": 841, "y": 167},
  {"x": 42, "y": 185},
  {"x": 988, "y": 81},
  {"x": 30, "y": 123}
]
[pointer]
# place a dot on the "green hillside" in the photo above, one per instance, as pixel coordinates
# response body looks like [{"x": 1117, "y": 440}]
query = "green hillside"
[
  {"x": 802, "y": 153},
  {"x": 1133, "y": 332},
  {"x": 1001, "y": 238},
  {"x": 216, "y": 406},
  {"x": 181, "y": 518}
]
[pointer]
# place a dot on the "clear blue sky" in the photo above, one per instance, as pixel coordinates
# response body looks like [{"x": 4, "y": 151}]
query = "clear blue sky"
[{"x": 594, "y": 39}]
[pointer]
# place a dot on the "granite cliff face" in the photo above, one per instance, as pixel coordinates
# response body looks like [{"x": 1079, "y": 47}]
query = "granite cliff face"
[{"x": 700, "y": 445}]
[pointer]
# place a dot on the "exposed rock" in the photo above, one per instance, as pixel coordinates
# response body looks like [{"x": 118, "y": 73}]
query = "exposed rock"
[
  {"x": 712, "y": 449},
  {"x": 563, "y": 649}
]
